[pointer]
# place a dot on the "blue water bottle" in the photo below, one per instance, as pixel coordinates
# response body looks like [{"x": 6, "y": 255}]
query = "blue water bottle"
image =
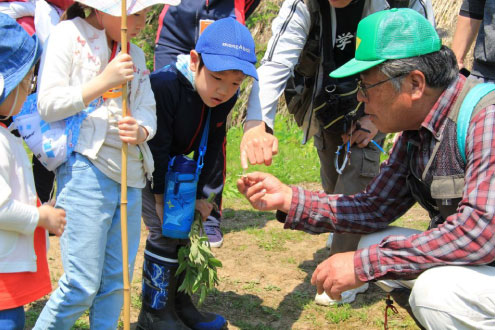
[{"x": 179, "y": 197}]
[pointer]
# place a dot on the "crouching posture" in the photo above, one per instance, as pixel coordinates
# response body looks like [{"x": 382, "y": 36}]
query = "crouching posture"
[{"x": 444, "y": 159}]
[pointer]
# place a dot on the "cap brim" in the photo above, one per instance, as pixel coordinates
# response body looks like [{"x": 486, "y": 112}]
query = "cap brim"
[
  {"x": 1, "y": 87},
  {"x": 217, "y": 63},
  {"x": 114, "y": 7},
  {"x": 353, "y": 67},
  {"x": 11, "y": 82}
]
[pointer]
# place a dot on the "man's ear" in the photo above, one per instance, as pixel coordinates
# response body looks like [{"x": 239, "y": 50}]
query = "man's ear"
[
  {"x": 194, "y": 65},
  {"x": 418, "y": 84}
]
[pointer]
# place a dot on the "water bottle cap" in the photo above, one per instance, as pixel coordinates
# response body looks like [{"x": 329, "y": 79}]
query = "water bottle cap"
[{"x": 184, "y": 164}]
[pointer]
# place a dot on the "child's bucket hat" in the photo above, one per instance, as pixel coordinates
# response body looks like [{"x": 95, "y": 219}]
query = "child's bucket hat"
[
  {"x": 18, "y": 54},
  {"x": 114, "y": 7}
]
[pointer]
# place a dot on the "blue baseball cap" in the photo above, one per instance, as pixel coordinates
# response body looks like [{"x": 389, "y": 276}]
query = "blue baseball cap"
[
  {"x": 18, "y": 54},
  {"x": 226, "y": 44}
]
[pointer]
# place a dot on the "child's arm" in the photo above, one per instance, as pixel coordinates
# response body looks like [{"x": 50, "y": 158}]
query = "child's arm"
[
  {"x": 142, "y": 105},
  {"x": 74, "y": 71},
  {"x": 117, "y": 72},
  {"x": 20, "y": 214}
]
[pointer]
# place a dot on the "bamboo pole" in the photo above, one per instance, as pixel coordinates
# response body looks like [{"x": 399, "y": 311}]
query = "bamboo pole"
[{"x": 123, "y": 185}]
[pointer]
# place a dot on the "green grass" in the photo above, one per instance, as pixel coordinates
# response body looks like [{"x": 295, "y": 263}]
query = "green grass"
[
  {"x": 295, "y": 163},
  {"x": 275, "y": 239}
]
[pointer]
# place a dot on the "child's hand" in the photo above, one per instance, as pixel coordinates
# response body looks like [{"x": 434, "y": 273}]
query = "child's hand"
[
  {"x": 131, "y": 132},
  {"x": 204, "y": 208},
  {"x": 159, "y": 206},
  {"x": 119, "y": 71},
  {"x": 52, "y": 219}
]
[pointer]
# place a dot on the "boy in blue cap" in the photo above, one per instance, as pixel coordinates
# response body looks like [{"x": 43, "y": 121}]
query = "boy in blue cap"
[{"x": 203, "y": 84}]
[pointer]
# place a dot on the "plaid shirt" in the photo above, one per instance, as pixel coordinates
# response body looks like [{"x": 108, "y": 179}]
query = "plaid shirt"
[{"x": 466, "y": 238}]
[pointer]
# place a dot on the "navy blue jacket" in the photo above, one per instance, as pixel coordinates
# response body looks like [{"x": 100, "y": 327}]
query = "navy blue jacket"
[
  {"x": 178, "y": 28},
  {"x": 181, "y": 116}
]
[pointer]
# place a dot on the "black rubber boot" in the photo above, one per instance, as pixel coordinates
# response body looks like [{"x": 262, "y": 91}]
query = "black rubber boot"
[
  {"x": 194, "y": 318},
  {"x": 401, "y": 297},
  {"x": 158, "y": 295}
]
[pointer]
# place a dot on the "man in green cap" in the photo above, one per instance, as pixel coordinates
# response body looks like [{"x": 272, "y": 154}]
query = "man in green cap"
[{"x": 410, "y": 83}]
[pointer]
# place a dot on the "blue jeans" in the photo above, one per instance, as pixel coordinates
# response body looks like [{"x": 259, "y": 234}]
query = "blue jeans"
[
  {"x": 12, "y": 319},
  {"x": 91, "y": 247}
]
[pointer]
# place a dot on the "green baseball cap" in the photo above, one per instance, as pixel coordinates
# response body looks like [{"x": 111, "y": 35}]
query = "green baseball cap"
[{"x": 390, "y": 34}]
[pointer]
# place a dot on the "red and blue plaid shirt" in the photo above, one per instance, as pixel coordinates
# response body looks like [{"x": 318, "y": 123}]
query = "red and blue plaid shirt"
[{"x": 465, "y": 238}]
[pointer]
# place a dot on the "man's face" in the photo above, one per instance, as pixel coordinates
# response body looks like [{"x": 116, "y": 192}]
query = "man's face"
[
  {"x": 339, "y": 3},
  {"x": 386, "y": 106}
]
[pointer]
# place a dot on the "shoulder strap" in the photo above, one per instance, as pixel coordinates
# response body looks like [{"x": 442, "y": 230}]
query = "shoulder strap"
[
  {"x": 203, "y": 143},
  {"x": 477, "y": 98}
]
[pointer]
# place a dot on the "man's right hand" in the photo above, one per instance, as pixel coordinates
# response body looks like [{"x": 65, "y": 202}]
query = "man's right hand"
[
  {"x": 265, "y": 192},
  {"x": 257, "y": 146}
]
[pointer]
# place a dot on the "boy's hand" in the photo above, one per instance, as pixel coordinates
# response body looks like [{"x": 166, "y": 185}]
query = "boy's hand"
[
  {"x": 52, "y": 219},
  {"x": 204, "y": 208},
  {"x": 119, "y": 71},
  {"x": 131, "y": 132},
  {"x": 159, "y": 207}
]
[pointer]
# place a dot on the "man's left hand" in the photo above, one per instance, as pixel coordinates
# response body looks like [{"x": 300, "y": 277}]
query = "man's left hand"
[
  {"x": 362, "y": 133},
  {"x": 336, "y": 275}
]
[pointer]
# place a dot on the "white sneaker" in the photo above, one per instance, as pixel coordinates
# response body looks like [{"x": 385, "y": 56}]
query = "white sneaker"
[{"x": 347, "y": 296}]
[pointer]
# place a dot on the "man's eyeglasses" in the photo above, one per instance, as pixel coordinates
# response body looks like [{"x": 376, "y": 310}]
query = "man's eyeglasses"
[{"x": 363, "y": 89}]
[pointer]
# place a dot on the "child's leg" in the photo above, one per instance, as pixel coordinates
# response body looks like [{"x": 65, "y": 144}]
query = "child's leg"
[
  {"x": 12, "y": 319},
  {"x": 212, "y": 181},
  {"x": 90, "y": 200},
  {"x": 163, "y": 306},
  {"x": 105, "y": 311}
]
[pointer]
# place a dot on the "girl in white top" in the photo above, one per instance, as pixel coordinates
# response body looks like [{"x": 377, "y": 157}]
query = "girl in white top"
[
  {"x": 82, "y": 65},
  {"x": 24, "y": 274}
]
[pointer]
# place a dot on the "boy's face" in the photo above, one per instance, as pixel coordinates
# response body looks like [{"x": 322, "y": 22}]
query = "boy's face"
[{"x": 215, "y": 88}]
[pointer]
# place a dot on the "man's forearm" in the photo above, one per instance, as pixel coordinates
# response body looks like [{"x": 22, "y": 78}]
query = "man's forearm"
[{"x": 465, "y": 33}]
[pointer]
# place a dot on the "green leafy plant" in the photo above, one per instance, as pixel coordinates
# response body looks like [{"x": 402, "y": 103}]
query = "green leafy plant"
[{"x": 197, "y": 261}]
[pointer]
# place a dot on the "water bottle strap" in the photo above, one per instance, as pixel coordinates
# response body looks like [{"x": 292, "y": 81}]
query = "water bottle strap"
[{"x": 202, "y": 145}]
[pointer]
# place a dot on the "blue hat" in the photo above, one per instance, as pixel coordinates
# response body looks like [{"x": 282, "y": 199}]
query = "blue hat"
[
  {"x": 228, "y": 45},
  {"x": 18, "y": 54}
]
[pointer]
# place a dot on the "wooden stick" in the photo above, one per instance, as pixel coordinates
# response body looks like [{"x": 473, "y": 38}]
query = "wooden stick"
[{"x": 123, "y": 186}]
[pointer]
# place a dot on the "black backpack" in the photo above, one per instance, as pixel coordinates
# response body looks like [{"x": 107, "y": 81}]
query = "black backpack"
[{"x": 335, "y": 106}]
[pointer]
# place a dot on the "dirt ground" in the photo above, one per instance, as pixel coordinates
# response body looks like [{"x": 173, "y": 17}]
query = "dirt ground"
[{"x": 265, "y": 279}]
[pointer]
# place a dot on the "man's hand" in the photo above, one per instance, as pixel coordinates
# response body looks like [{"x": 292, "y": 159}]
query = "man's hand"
[
  {"x": 257, "y": 145},
  {"x": 265, "y": 192},
  {"x": 336, "y": 275},
  {"x": 363, "y": 134}
]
